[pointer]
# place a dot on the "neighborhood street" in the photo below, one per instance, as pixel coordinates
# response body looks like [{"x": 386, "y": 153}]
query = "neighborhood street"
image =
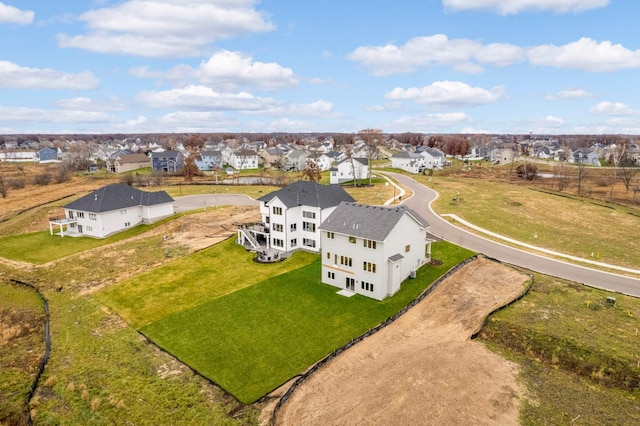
[{"x": 421, "y": 203}]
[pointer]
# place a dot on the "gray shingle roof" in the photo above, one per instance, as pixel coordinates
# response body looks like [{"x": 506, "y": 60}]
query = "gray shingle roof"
[
  {"x": 364, "y": 221},
  {"x": 117, "y": 196},
  {"x": 309, "y": 193}
]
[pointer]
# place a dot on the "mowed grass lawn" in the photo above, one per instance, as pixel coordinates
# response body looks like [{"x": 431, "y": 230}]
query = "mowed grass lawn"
[
  {"x": 42, "y": 247},
  {"x": 252, "y": 340},
  {"x": 560, "y": 222}
]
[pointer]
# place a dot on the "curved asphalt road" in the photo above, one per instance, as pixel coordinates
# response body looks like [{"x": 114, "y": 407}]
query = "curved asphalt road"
[{"x": 421, "y": 203}]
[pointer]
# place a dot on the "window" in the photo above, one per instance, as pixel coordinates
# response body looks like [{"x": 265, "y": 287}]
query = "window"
[
  {"x": 309, "y": 215},
  {"x": 127, "y": 224},
  {"x": 294, "y": 242},
  {"x": 366, "y": 286},
  {"x": 330, "y": 235},
  {"x": 328, "y": 255},
  {"x": 277, "y": 242},
  {"x": 407, "y": 248},
  {"x": 277, "y": 211},
  {"x": 92, "y": 216},
  {"x": 331, "y": 275},
  {"x": 369, "y": 267},
  {"x": 123, "y": 212},
  {"x": 369, "y": 244},
  {"x": 89, "y": 228},
  {"x": 80, "y": 215},
  {"x": 293, "y": 227},
  {"x": 307, "y": 242},
  {"x": 277, "y": 227},
  {"x": 352, "y": 240},
  {"x": 345, "y": 260},
  {"x": 308, "y": 226}
]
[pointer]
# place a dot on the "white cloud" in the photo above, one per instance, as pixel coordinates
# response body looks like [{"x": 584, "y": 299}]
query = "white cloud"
[
  {"x": 430, "y": 121},
  {"x": 195, "y": 98},
  {"x": 13, "y": 15},
  {"x": 549, "y": 122},
  {"x": 449, "y": 93},
  {"x": 15, "y": 76},
  {"x": 585, "y": 54},
  {"x": 569, "y": 94},
  {"x": 227, "y": 70},
  {"x": 165, "y": 28},
  {"x": 508, "y": 7},
  {"x": 35, "y": 115},
  {"x": 86, "y": 104},
  {"x": 612, "y": 108},
  {"x": 463, "y": 54}
]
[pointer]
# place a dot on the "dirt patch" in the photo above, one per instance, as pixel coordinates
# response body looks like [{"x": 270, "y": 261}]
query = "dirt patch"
[{"x": 423, "y": 368}]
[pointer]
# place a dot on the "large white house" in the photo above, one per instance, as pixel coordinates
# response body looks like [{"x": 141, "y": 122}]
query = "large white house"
[
  {"x": 370, "y": 250},
  {"x": 408, "y": 161},
  {"x": 112, "y": 209},
  {"x": 350, "y": 169},
  {"x": 291, "y": 217}
]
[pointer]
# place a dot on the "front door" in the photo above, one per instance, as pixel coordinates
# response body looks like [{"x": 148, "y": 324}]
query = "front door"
[{"x": 351, "y": 284}]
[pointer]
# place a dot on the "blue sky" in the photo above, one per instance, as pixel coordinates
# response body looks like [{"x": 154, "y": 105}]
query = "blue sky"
[{"x": 429, "y": 66}]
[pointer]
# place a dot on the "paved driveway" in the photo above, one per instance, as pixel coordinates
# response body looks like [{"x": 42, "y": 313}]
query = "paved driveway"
[
  {"x": 421, "y": 202},
  {"x": 195, "y": 202}
]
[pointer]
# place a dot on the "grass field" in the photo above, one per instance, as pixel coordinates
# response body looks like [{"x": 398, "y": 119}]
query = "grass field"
[
  {"x": 21, "y": 346},
  {"x": 42, "y": 247},
  {"x": 579, "y": 354},
  {"x": 564, "y": 223},
  {"x": 252, "y": 340}
]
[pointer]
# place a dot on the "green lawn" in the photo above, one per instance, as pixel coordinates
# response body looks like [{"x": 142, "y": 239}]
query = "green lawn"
[
  {"x": 192, "y": 280},
  {"x": 42, "y": 247},
  {"x": 252, "y": 340}
]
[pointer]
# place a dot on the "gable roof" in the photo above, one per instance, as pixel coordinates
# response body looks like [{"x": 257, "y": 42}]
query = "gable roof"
[
  {"x": 371, "y": 222},
  {"x": 117, "y": 196},
  {"x": 309, "y": 193},
  {"x": 133, "y": 158},
  {"x": 166, "y": 154}
]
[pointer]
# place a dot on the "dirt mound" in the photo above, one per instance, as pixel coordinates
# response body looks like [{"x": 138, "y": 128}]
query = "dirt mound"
[{"x": 423, "y": 368}]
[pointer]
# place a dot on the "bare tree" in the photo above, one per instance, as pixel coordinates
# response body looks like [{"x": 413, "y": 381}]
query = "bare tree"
[
  {"x": 373, "y": 138},
  {"x": 312, "y": 171},
  {"x": 581, "y": 175},
  {"x": 190, "y": 169},
  {"x": 528, "y": 171},
  {"x": 4, "y": 185},
  {"x": 626, "y": 175},
  {"x": 560, "y": 177}
]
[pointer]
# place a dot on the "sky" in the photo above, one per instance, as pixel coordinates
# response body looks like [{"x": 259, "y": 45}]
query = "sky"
[{"x": 238, "y": 66}]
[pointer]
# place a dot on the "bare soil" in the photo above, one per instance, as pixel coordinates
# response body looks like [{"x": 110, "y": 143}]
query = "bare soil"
[{"x": 423, "y": 368}]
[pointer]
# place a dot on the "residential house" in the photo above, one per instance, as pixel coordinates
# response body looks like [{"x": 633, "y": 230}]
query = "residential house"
[
  {"x": 408, "y": 161},
  {"x": 48, "y": 155},
  {"x": 112, "y": 209},
  {"x": 272, "y": 158},
  {"x": 350, "y": 169},
  {"x": 291, "y": 217},
  {"x": 209, "y": 160},
  {"x": 433, "y": 158},
  {"x": 244, "y": 159},
  {"x": 167, "y": 161},
  {"x": 296, "y": 160},
  {"x": 127, "y": 163},
  {"x": 371, "y": 250},
  {"x": 584, "y": 156},
  {"x": 502, "y": 156}
]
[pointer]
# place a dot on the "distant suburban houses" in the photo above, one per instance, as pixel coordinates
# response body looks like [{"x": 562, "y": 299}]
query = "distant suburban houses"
[{"x": 112, "y": 209}]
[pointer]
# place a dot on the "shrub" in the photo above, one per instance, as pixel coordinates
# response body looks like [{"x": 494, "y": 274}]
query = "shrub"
[
  {"x": 42, "y": 179},
  {"x": 17, "y": 183}
]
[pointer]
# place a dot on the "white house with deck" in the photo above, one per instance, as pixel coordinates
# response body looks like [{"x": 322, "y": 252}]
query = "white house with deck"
[
  {"x": 408, "y": 161},
  {"x": 350, "y": 169},
  {"x": 371, "y": 250},
  {"x": 291, "y": 217},
  {"x": 112, "y": 209}
]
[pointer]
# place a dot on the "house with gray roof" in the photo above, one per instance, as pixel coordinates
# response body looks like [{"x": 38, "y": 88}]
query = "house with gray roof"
[
  {"x": 291, "y": 217},
  {"x": 112, "y": 209},
  {"x": 408, "y": 161},
  {"x": 371, "y": 250}
]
